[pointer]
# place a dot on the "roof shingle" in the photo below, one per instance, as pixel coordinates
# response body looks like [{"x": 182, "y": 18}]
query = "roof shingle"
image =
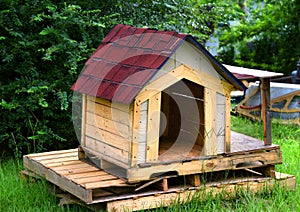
[{"x": 125, "y": 61}]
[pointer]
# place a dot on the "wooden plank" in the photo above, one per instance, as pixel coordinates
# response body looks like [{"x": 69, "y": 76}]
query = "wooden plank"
[
  {"x": 56, "y": 156},
  {"x": 67, "y": 172},
  {"x": 179, "y": 196},
  {"x": 53, "y": 177},
  {"x": 97, "y": 158},
  {"x": 57, "y": 152},
  {"x": 63, "y": 159},
  {"x": 254, "y": 72},
  {"x": 107, "y": 137},
  {"x": 92, "y": 179},
  {"x": 69, "y": 186},
  {"x": 153, "y": 128},
  {"x": 201, "y": 78},
  {"x": 105, "y": 184},
  {"x": 135, "y": 133},
  {"x": 71, "y": 166},
  {"x": 244, "y": 144},
  {"x": 56, "y": 164},
  {"x": 160, "y": 84},
  {"x": 111, "y": 113},
  {"x": 227, "y": 124},
  {"x": 112, "y": 152},
  {"x": 265, "y": 110},
  {"x": 220, "y": 122},
  {"x": 87, "y": 174},
  {"x": 83, "y": 119},
  {"x": 210, "y": 145},
  {"x": 109, "y": 104},
  {"x": 114, "y": 127},
  {"x": 210, "y": 164},
  {"x": 142, "y": 137}
]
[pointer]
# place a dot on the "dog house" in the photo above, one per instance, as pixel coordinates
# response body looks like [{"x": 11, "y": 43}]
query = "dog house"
[{"x": 154, "y": 102}]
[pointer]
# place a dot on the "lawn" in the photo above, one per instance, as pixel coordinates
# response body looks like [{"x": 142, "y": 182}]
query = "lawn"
[{"x": 16, "y": 194}]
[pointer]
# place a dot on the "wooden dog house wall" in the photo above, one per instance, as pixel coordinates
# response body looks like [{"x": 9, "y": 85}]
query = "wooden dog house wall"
[{"x": 153, "y": 97}]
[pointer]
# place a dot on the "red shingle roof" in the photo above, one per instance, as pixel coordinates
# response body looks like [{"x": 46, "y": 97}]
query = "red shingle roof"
[{"x": 126, "y": 60}]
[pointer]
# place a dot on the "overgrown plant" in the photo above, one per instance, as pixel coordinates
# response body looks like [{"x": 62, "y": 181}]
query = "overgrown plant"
[
  {"x": 44, "y": 45},
  {"x": 265, "y": 38}
]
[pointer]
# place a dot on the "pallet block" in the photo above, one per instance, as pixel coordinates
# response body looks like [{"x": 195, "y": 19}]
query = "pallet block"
[{"x": 85, "y": 184}]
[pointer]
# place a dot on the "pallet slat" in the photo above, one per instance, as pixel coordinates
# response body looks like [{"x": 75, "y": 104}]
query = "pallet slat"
[{"x": 94, "y": 186}]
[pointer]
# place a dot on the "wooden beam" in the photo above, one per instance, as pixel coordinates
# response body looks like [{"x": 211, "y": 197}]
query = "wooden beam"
[
  {"x": 227, "y": 125},
  {"x": 153, "y": 128},
  {"x": 265, "y": 110},
  {"x": 210, "y": 140},
  {"x": 83, "y": 120},
  {"x": 135, "y": 134}
]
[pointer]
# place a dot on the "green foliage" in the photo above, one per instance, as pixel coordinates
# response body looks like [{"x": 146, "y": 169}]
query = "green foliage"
[
  {"x": 266, "y": 38},
  {"x": 44, "y": 45}
]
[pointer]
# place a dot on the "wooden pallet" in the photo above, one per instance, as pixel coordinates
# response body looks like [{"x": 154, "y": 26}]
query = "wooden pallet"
[{"x": 86, "y": 184}]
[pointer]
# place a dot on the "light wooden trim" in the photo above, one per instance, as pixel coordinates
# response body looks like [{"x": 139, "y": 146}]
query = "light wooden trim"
[
  {"x": 160, "y": 84},
  {"x": 201, "y": 78},
  {"x": 227, "y": 124},
  {"x": 83, "y": 119},
  {"x": 177, "y": 74},
  {"x": 210, "y": 139},
  {"x": 135, "y": 133},
  {"x": 166, "y": 111},
  {"x": 153, "y": 128}
]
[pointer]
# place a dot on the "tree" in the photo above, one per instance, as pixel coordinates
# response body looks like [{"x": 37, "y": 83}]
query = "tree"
[
  {"x": 266, "y": 39},
  {"x": 44, "y": 45}
]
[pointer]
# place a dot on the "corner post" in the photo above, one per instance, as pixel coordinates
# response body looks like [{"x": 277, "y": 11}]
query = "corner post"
[{"x": 265, "y": 110}]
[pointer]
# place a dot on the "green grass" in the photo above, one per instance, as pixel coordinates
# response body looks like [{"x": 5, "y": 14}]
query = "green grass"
[{"x": 16, "y": 194}]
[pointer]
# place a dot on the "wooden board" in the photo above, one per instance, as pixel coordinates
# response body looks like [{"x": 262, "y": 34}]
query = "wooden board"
[
  {"x": 89, "y": 186},
  {"x": 246, "y": 152}
]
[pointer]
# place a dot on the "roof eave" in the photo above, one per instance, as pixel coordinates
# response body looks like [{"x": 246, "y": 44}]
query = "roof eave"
[{"x": 224, "y": 72}]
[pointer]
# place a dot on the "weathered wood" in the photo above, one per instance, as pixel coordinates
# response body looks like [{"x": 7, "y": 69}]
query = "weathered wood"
[
  {"x": 88, "y": 182},
  {"x": 231, "y": 188},
  {"x": 221, "y": 122},
  {"x": 265, "y": 110},
  {"x": 119, "y": 115},
  {"x": 142, "y": 141},
  {"x": 107, "y": 137},
  {"x": 83, "y": 119},
  {"x": 227, "y": 125},
  {"x": 114, "y": 127},
  {"x": 160, "y": 84},
  {"x": 135, "y": 134},
  {"x": 122, "y": 107},
  {"x": 193, "y": 180},
  {"x": 210, "y": 145},
  {"x": 103, "y": 148},
  {"x": 153, "y": 128},
  {"x": 55, "y": 178},
  {"x": 269, "y": 171}
]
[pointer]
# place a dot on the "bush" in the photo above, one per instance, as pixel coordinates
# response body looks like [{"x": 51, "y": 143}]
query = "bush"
[{"x": 44, "y": 45}]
